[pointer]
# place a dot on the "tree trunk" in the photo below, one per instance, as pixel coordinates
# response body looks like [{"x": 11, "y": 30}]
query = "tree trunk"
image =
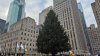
[{"x": 53, "y": 54}]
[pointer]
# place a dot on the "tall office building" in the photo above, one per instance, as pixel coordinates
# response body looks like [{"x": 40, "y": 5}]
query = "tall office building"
[
  {"x": 82, "y": 18},
  {"x": 96, "y": 10},
  {"x": 2, "y": 25},
  {"x": 16, "y": 13},
  {"x": 68, "y": 15},
  {"x": 43, "y": 15},
  {"x": 84, "y": 25},
  {"x": 94, "y": 39}
]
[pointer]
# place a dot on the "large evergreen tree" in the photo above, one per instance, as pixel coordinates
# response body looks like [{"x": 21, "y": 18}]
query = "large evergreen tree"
[{"x": 52, "y": 38}]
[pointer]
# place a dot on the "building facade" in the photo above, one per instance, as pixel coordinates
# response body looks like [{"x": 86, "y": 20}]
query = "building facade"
[
  {"x": 2, "y": 25},
  {"x": 68, "y": 15},
  {"x": 82, "y": 19},
  {"x": 94, "y": 39},
  {"x": 16, "y": 13},
  {"x": 21, "y": 38},
  {"x": 43, "y": 14},
  {"x": 96, "y": 10},
  {"x": 84, "y": 25}
]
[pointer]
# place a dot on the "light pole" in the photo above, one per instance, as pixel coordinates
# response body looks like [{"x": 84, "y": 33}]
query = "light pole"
[
  {"x": 0, "y": 50},
  {"x": 25, "y": 50},
  {"x": 15, "y": 49}
]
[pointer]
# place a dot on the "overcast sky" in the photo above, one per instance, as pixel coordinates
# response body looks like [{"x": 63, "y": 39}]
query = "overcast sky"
[{"x": 34, "y": 7}]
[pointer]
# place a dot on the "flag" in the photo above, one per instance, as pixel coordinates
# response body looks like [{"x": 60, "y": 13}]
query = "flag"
[{"x": 22, "y": 46}]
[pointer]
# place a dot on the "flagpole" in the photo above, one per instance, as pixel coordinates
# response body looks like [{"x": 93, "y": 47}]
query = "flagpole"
[
  {"x": 16, "y": 49},
  {"x": 24, "y": 49}
]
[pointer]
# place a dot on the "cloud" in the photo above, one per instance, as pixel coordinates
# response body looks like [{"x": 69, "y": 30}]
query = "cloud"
[
  {"x": 34, "y": 7},
  {"x": 48, "y": 3},
  {"x": 4, "y": 6},
  {"x": 88, "y": 13}
]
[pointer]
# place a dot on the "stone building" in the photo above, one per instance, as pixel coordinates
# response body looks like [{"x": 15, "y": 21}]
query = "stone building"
[
  {"x": 94, "y": 39},
  {"x": 21, "y": 38},
  {"x": 70, "y": 18},
  {"x": 96, "y": 10}
]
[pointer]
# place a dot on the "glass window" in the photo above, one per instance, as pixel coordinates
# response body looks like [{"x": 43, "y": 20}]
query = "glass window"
[
  {"x": 21, "y": 38},
  {"x": 30, "y": 44},
  {"x": 27, "y": 39},
  {"x": 28, "y": 30},
  {"x": 25, "y": 34},
  {"x": 31, "y": 31},
  {"x": 22, "y": 33}
]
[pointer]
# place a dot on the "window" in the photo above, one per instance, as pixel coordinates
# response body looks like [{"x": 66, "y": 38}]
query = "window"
[
  {"x": 25, "y": 29},
  {"x": 27, "y": 44},
  {"x": 31, "y": 35},
  {"x": 25, "y": 34},
  {"x": 28, "y": 30},
  {"x": 31, "y": 31},
  {"x": 22, "y": 33},
  {"x": 28, "y": 34},
  {"x": 30, "y": 49},
  {"x": 27, "y": 39},
  {"x": 31, "y": 26},
  {"x": 24, "y": 39},
  {"x": 31, "y": 40},
  {"x": 33, "y": 44},
  {"x": 36, "y": 36},
  {"x": 30, "y": 44},
  {"x": 21, "y": 38},
  {"x": 34, "y": 32},
  {"x": 20, "y": 43}
]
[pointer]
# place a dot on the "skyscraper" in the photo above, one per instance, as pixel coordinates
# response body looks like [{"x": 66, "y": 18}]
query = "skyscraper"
[
  {"x": 68, "y": 15},
  {"x": 43, "y": 15},
  {"x": 82, "y": 16},
  {"x": 16, "y": 12},
  {"x": 84, "y": 25},
  {"x": 2, "y": 25},
  {"x": 94, "y": 40},
  {"x": 96, "y": 10}
]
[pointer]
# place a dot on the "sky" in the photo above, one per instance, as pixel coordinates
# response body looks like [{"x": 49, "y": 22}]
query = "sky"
[{"x": 34, "y": 7}]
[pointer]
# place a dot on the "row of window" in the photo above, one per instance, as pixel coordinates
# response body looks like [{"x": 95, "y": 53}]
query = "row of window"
[
  {"x": 14, "y": 49},
  {"x": 14, "y": 44},
  {"x": 31, "y": 31},
  {"x": 27, "y": 39},
  {"x": 29, "y": 35},
  {"x": 14, "y": 39}
]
